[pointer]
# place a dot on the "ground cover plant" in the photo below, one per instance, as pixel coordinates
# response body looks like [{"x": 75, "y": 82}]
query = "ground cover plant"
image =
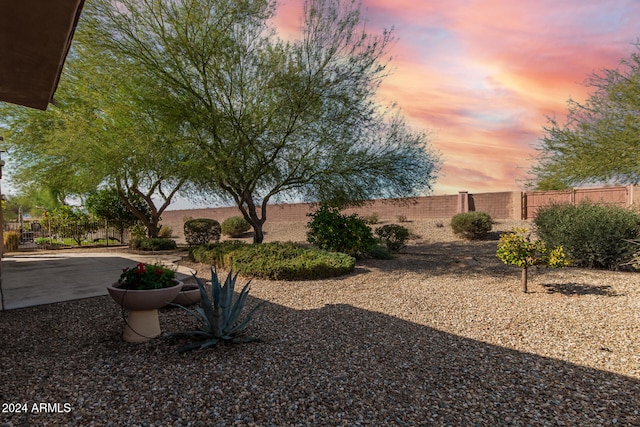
[
  {"x": 153, "y": 244},
  {"x": 593, "y": 236},
  {"x": 275, "y": 260}
]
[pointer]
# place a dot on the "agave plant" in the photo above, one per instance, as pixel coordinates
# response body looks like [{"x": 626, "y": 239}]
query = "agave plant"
[{"x": 219, "y": 316}]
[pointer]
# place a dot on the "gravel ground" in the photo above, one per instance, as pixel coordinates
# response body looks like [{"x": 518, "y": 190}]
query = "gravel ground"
[{"x": 441, "y": 335}]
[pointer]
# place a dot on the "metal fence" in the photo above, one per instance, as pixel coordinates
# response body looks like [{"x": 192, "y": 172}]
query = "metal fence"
[{"x": 37, "y": 235}]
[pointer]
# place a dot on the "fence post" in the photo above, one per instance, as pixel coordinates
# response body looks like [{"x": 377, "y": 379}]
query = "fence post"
[{"x": 463, "y": 202}]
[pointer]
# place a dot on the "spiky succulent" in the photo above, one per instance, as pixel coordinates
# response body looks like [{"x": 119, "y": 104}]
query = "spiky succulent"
[{"x": 219, "y": 316}]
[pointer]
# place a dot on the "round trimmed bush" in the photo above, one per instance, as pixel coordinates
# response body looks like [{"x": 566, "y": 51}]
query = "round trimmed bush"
[
  {"x": 471, "y": 225},
  {"x": 201, "y": 231},
  {"x": 393, "y": 236},
  {"x": 593, "y": 236},
  {"x": 235, "y": 226}
]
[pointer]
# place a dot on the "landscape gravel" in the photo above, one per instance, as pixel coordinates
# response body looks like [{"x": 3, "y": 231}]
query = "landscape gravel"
[{"x": 441, "y": 335}]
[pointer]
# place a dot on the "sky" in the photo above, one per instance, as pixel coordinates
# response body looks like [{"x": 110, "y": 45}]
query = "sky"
[{"x": 482, "y": 76}]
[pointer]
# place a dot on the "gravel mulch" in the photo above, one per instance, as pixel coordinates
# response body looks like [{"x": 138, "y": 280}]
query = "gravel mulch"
[{"x": 441, "y": 335}]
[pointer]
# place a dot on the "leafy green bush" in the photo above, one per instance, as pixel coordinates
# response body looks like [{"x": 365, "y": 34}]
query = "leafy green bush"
[
  {"x": 593, "y": 236},
  {"x": 332, "y": 231},
  {"x": 379, "y": 252},
  {"x": 201, "y": 231},
  {"x": 371, "y": 219},
  {"x": 276, "y": 261},
  {"x": 165, "y": 232},
  {"x": 11, "y": 241},
  {"x": 393, "y": 236},
  {"x": 471, "y": 225},
  {"x": 235, "y": 226},
  {"x": 155, "y": 244},
  {"x": 215, "y": 253}
]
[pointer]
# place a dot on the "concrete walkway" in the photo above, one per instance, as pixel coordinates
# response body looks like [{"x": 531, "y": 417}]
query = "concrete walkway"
[{"x": 37, "y": 279}]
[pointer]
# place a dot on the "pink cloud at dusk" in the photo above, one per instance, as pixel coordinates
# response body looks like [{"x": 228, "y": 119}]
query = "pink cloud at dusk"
[{"x": 482, "y": 76}]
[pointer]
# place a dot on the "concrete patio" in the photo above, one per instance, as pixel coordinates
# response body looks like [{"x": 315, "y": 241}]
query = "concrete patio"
[{"x": 37, "y": 279}]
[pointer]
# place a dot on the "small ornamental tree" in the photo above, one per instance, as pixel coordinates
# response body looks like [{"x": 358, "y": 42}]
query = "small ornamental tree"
[{"x": 517, "y": 248}]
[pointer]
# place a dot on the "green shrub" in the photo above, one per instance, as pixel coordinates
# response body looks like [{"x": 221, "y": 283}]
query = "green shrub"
[
  {"x": 235, "y": 226},
  {"x": 153, "y": 244},
  {"x": 593, "y": 236},
  {"x": 371, "y": 219},
  {"x": 379, "y": 252},
  {"x": 332, "y": 231},
  {"x": 393, "y": 236},
  {"x": 215, "y": 253},
  {"x": 11, "y": 241},
  {"x": 276, "y": 261},
  {"x": 201, "y": 231},
  {"x": 471, "y": 225},
  {"x": 165, "y": 232}
]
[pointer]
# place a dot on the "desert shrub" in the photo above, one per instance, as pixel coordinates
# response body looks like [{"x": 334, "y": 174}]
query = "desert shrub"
[
  {"x": 214, "y": 253},
  {"x": 153, "y": 244},
  {"x": 593, "y": 236},
  {"x": 332, "y": 231},
  {"x": 165, "y": 232},
  {"x": 379, "y": 252},
  {"x": 201, "y": 231},
  {"x": 471, "y": 225},
  {"x": 276, "y": 261},
  {"x": 371, "y": 219},
  {"x": 393, "y": 236},
  {"x": 11, "y": 241},
  {"x": 235, "y": 226},
  {"x": 402, "y": 218}
]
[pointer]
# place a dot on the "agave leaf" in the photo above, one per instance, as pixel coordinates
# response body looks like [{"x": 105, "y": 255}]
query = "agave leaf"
[
  {"x": 242, "y": 340},
  {"x": 233, "y": 316},
  {"x": 209, "y": 343},
  {"x": 189, "y": 347},
  {"x": 226, "y": 296},
  {"x": 205, "y": 303},
  {"x": 204, "y": 319},
  {"x": 215, "y": 288},
  {"x": 240, "y": 327},
  {"x": 187, "y": 334}
]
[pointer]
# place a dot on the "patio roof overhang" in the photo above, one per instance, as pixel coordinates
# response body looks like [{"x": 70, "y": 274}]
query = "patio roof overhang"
[{"x": 35, "y": 37}]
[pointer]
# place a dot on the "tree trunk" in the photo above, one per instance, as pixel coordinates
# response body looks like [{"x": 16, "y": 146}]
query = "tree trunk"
[
  {"x": 523, "y": 279},
  {"x": 258, "y": 234}
]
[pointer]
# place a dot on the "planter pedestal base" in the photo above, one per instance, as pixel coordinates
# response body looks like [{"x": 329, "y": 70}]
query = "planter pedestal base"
[{"x": 141, "y": 326}]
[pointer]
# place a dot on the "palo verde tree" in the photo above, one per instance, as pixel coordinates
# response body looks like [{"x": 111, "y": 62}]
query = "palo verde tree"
[
  {"x": 274, "y": 118},
  {"x": 600, "y": 141},
  {"x": 108, "y": 127}
]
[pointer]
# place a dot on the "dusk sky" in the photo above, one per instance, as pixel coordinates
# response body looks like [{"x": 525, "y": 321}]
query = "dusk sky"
[{"x": 482, "y": 75}]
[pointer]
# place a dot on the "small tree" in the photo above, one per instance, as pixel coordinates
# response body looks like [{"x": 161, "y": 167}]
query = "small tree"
[{"x": 517, "y": 248}]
